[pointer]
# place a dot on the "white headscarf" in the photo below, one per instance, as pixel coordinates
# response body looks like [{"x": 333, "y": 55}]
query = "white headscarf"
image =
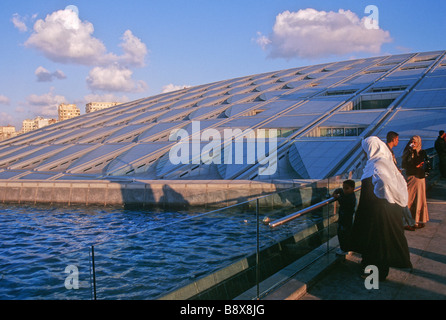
[
  {"x": 418, "y": 140},
  {"x": 388, "y": 182}
]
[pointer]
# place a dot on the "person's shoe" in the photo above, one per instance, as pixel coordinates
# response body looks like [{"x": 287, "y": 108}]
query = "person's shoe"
[
  {"x": 419, "y": 225},
  {"x": 410, "y": 228}
]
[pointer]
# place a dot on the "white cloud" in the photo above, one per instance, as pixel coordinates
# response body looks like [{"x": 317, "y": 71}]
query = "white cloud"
[
  {"x": 171, "y": 87},
  {"x": 309, "y": 33},
  {"x": 43, "y": 75},
  {"x": 114, "y": 78},
  {"x": 4, "y": 100},
  {"x": 45, "y": 104},
  {"x": 63, "y": 37},
  {"x": 134, "y": 49},
  {"x": 262, "y": 40},
  {"x": 19, "y": 22}
]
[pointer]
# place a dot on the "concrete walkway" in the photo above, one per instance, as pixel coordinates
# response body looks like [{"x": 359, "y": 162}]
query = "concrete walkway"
[{"x": 426, "y": 281}]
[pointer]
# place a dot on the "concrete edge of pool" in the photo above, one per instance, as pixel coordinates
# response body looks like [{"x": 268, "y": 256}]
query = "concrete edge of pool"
[{"x": 145, "y": 193}]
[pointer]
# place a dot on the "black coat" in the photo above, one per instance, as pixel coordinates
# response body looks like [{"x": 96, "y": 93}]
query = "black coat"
[
  {"x": 411, "y": 159},
  {"x": 378, "y": 232},
  {"x": 440, "y": 146}
]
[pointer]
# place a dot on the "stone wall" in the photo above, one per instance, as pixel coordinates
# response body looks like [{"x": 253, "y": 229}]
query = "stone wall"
[{"x": 156, "y": 193}]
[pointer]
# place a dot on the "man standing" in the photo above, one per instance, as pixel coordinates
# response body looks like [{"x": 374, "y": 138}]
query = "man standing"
[
  {"x": 392, "y": 141},
  {"x": 440, "y": 147}
]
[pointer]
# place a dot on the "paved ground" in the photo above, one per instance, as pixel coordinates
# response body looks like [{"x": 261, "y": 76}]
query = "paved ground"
[{"x": 427, "y": 279}]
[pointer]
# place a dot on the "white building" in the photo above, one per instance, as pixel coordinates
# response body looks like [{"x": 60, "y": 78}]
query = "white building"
[
  {"x": 95, "y": 106},
  {"x": 27, "y": 125},
  {"x": 7, "y": 132},
  {"x": 67, "y": 111},
  {"x": 37, "y": 123}
]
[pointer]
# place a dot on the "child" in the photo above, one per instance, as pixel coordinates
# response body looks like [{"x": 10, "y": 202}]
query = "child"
[{"x": 347, "y": 203}]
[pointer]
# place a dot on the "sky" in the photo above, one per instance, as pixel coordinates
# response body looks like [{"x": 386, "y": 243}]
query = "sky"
[{"x": 57, "y": 51}]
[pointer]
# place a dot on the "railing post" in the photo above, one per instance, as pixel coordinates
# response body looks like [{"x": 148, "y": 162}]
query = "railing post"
[
  {"x": 328, "y": 216},
  {"x": 328, "y": 227},
  {"x": 94, "y": 272},
  {"x": 258, "y": 249}
]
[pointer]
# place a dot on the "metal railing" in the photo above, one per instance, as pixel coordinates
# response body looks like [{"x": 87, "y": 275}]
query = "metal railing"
[
  {"x": 287, "y": 219},
  {"x": 302, "y": 212}
]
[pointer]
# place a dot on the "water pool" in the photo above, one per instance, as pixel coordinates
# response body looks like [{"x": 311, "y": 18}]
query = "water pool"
[{"x": 138, "y": 254}]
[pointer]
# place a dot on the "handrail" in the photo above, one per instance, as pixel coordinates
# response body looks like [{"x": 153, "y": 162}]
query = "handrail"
[{"x": 300, "y": 213}]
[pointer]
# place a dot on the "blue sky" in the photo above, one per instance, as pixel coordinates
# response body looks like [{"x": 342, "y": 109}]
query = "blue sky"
[{"x": 55, "y": 51}]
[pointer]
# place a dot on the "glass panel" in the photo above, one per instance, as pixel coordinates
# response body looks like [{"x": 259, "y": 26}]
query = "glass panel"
[
  {"x": 351, "y": 131},
  {"x": 325, "y": 132},
  {"x": 180, "y": 260},
  {"x": 338, "y": 132},
  {"x": 283, "y": 247}
]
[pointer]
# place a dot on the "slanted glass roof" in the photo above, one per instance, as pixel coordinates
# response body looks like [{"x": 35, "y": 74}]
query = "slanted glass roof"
[
  {"x": 321, "y": 113},
  {"x": 127, "y": 132},
  {"x": 318, "y": 157},
  {"x": 138, "y": 159},
  {"x": 422, "y": 122},
  {"x": 317, "y": 105},
  {"x": 290, "y": 121},
  {"x": 145, "y": 117},
  {"x": 98, "y": 135},
  {"x": 61, "y": 160},
  {"x": 33, "y": 159},
  {"x": 18, "y": 154},
  {"x": 352, "y": 118},
  {"x": 158, "y": 131},
  {"x": 433, "y": 82},
  {"x": 94, "y": 160},
  {"x": 207, "y": 112},
  {"x": 425, "y": 99}
]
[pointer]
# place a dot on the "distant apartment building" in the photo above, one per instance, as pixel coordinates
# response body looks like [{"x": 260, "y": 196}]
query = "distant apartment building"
[
  {"x": 27, "y": 125},
  {"x": 41, "y": 122},
  {"x": 7, "y": 132},
  {"x": 67, "y": 111},
  {"x": 37, "y": 123},
  {"x": 95, "y": 106}
]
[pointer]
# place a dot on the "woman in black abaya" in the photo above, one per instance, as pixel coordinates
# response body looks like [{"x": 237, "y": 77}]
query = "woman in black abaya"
[{"x": 378, "y": 233}]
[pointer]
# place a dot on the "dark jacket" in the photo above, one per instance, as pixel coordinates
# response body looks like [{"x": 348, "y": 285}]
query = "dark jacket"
[
  {"x": 440, "y": 146},
  {"x": 347, "y": 204},
  {"x": 411, "y": 159}
]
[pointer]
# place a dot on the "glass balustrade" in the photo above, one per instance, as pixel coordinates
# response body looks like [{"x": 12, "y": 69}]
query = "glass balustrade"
[{"x": 217, "y": 254}]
